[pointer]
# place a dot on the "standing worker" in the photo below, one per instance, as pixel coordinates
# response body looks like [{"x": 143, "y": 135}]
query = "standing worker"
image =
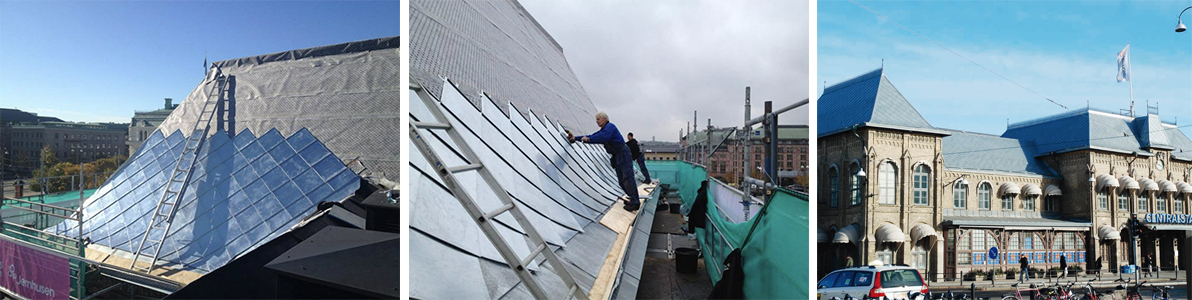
[
  {"x": 636, "y": 151},
  {"x": 622, "y": 162}
]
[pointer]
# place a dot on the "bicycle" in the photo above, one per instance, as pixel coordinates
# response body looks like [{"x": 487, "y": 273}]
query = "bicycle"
[
  {"x": 1132, "y": 292},
  {"x": 1018, "y": 293},
  {"x": 1162, "y": 293},
  {"x": 1091, "y": 293},
  {"x": 1065, "y": 292}
]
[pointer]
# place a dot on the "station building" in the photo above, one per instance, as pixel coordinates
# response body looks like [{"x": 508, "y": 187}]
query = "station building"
[{"x": 895, "y": 189}]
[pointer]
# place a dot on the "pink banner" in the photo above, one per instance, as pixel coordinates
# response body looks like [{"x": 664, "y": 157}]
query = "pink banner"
[{"x": 33, "y": 274}]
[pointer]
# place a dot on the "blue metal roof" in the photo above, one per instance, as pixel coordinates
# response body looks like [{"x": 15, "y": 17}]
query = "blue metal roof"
[
  {"x": 1179, "y": 141},
  {"x": 976, "y": 151},
  {"x": 1095, "y": 129},
  {"x": 870, "y": 99},
  {"x": 1150, "y": 131}
]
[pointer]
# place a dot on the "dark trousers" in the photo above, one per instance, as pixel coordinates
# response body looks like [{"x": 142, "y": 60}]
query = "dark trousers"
[
  {"x": 623, "y": 164},
  {"x": 641, "y": 164}
]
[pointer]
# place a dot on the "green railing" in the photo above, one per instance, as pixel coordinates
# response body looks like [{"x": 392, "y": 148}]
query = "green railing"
[
  {"x": 775, "y": 260},
  {"x": 43, "y": 216}
]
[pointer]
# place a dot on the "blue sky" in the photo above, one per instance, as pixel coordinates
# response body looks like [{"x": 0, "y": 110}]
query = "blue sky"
[
  {"x": 1065, "y": 51},
  {"x": 99, "y": 61}
]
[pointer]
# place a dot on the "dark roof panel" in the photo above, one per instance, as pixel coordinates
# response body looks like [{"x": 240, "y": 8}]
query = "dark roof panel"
[{"x": 869, "y": 98}]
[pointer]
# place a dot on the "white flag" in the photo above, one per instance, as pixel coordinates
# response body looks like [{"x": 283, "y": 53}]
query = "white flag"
[{"x": 1123, "y": 73}]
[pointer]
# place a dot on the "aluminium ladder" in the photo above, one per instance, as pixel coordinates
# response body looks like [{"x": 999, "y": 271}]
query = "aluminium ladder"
[
  {"x": 483, "y": 219},
  {"x": 163, "y": 214}
]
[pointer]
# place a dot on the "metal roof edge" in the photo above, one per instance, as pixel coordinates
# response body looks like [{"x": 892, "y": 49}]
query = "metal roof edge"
[
  {"x": 1090, "y": 147},
  {"x": 996, "y": 172},
  {"x": 885, "y": 126}
]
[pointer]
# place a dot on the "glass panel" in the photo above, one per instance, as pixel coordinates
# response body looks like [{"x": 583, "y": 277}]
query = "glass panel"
[
  {"x": 300, "y": 139},
  {"x": 228, "y": 205},
  {"x": 270, "y": 139}
]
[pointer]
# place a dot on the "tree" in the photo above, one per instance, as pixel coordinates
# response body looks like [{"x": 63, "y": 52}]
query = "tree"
[{"x": 48, "y": 158}]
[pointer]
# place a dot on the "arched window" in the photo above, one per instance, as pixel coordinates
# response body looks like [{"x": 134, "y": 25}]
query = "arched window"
[
  {"x": 1161, "y": 203},
  {"x": 1124, "y": 200},
  {"x": 1028, "y": 202},
  {"x": 854, "y": 183},
  {"x": 1102, "y": 200},
  {"x": 922, "y": 186},
  {"x": 1177, "y": 205},
  {"x": 1143, "y": 202},
  {"x": 1008, "y": 202},
  {"x": 834, "y": 186},
  {"x": 984, "y": 193},
  {"x": 960, "y": 195},
  {"x": 887, "y": 183}
]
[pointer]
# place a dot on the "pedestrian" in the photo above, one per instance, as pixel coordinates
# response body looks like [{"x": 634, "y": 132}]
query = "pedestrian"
[
  {"x": 1099, "y": 266},
  {"x": 1064, "y": 266},
  {"x": 1026, "y": 274},
  {"x": 636, "y": 151},
  {"x": 1148, "y": 263},
  {"x": 848, "y": 261},
  {"x": 620, "y": 159}
]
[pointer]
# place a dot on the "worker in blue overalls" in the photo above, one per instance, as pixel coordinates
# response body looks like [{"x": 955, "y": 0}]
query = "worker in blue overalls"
[{"x": 621, "y": 160}]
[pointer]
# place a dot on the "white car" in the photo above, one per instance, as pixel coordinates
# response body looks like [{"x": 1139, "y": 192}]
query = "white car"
[{"x": 874, "y": 282}]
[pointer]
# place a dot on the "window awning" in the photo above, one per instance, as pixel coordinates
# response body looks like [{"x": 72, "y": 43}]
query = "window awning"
[
  {"x": 1167, "y": 186},
  {"x": 1031, "y": 189},
  {"x": 1108, "y": 233},
  {"x": 1052, "y": 190},
  {"x": 889, "y": 233},
  {"x": 921, "y": 231},
  {"x": 1148, "y": 184},
  {"x": 1184, "y": 187},
  {"x": 847, "y": 235},
  {"x": 1128, "y": 183},
  {"x": 1007, "y": 188},
  {"x": 1106, "y": 180}
]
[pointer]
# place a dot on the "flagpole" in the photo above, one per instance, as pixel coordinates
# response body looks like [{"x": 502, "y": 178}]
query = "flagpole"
[{"x": 1131, "y": 80}]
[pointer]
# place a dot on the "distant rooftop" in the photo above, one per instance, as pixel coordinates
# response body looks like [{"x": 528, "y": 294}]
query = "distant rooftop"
[{"x": 13, "y": 116}]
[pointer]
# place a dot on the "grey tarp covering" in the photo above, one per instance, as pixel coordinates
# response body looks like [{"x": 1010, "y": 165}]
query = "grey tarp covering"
[
  {"x": 345, "y": 94},
  {"x": 498, "y": 49}
]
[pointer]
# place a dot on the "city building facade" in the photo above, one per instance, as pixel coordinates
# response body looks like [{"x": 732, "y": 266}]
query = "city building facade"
[
  {"x": 728, "y": 158},
  {"x": 895, "y": 189},
  {"x": 660, "y": 150},
  {"x": 145, "y": 122},
  {"x": 69, "y": 141}
]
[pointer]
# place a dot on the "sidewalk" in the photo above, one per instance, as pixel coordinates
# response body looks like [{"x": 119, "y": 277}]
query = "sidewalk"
[{"x": 1107, "y": 280}]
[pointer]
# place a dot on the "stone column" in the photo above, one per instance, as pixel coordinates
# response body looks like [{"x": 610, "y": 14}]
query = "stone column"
[{"x": 939, "y": 257}]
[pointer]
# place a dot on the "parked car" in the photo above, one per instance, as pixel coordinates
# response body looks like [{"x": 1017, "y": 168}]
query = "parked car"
[{"x": 887, "y": 282}]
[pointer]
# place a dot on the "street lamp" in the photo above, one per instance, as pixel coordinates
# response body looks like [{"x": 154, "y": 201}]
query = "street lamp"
[{"x": 1180, "y": 26}]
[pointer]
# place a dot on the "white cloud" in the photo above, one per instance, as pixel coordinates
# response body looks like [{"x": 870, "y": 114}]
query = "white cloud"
[{"x": 650, "y": 64}]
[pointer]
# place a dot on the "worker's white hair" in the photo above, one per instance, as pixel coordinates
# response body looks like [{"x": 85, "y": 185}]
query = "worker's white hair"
[{"x": 602, "y": 115}]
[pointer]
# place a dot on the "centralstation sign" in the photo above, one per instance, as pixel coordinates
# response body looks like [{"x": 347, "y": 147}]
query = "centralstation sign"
[{"x": 1167, "y": 219}]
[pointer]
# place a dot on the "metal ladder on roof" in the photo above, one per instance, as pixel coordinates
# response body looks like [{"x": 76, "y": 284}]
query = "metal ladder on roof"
[
  {"x": 483, "y": 219},
  {"x": 163, "y": 214}
]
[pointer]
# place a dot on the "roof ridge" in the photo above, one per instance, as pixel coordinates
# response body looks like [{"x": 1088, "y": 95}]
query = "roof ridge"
[{"x": 854, "y": 80}]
